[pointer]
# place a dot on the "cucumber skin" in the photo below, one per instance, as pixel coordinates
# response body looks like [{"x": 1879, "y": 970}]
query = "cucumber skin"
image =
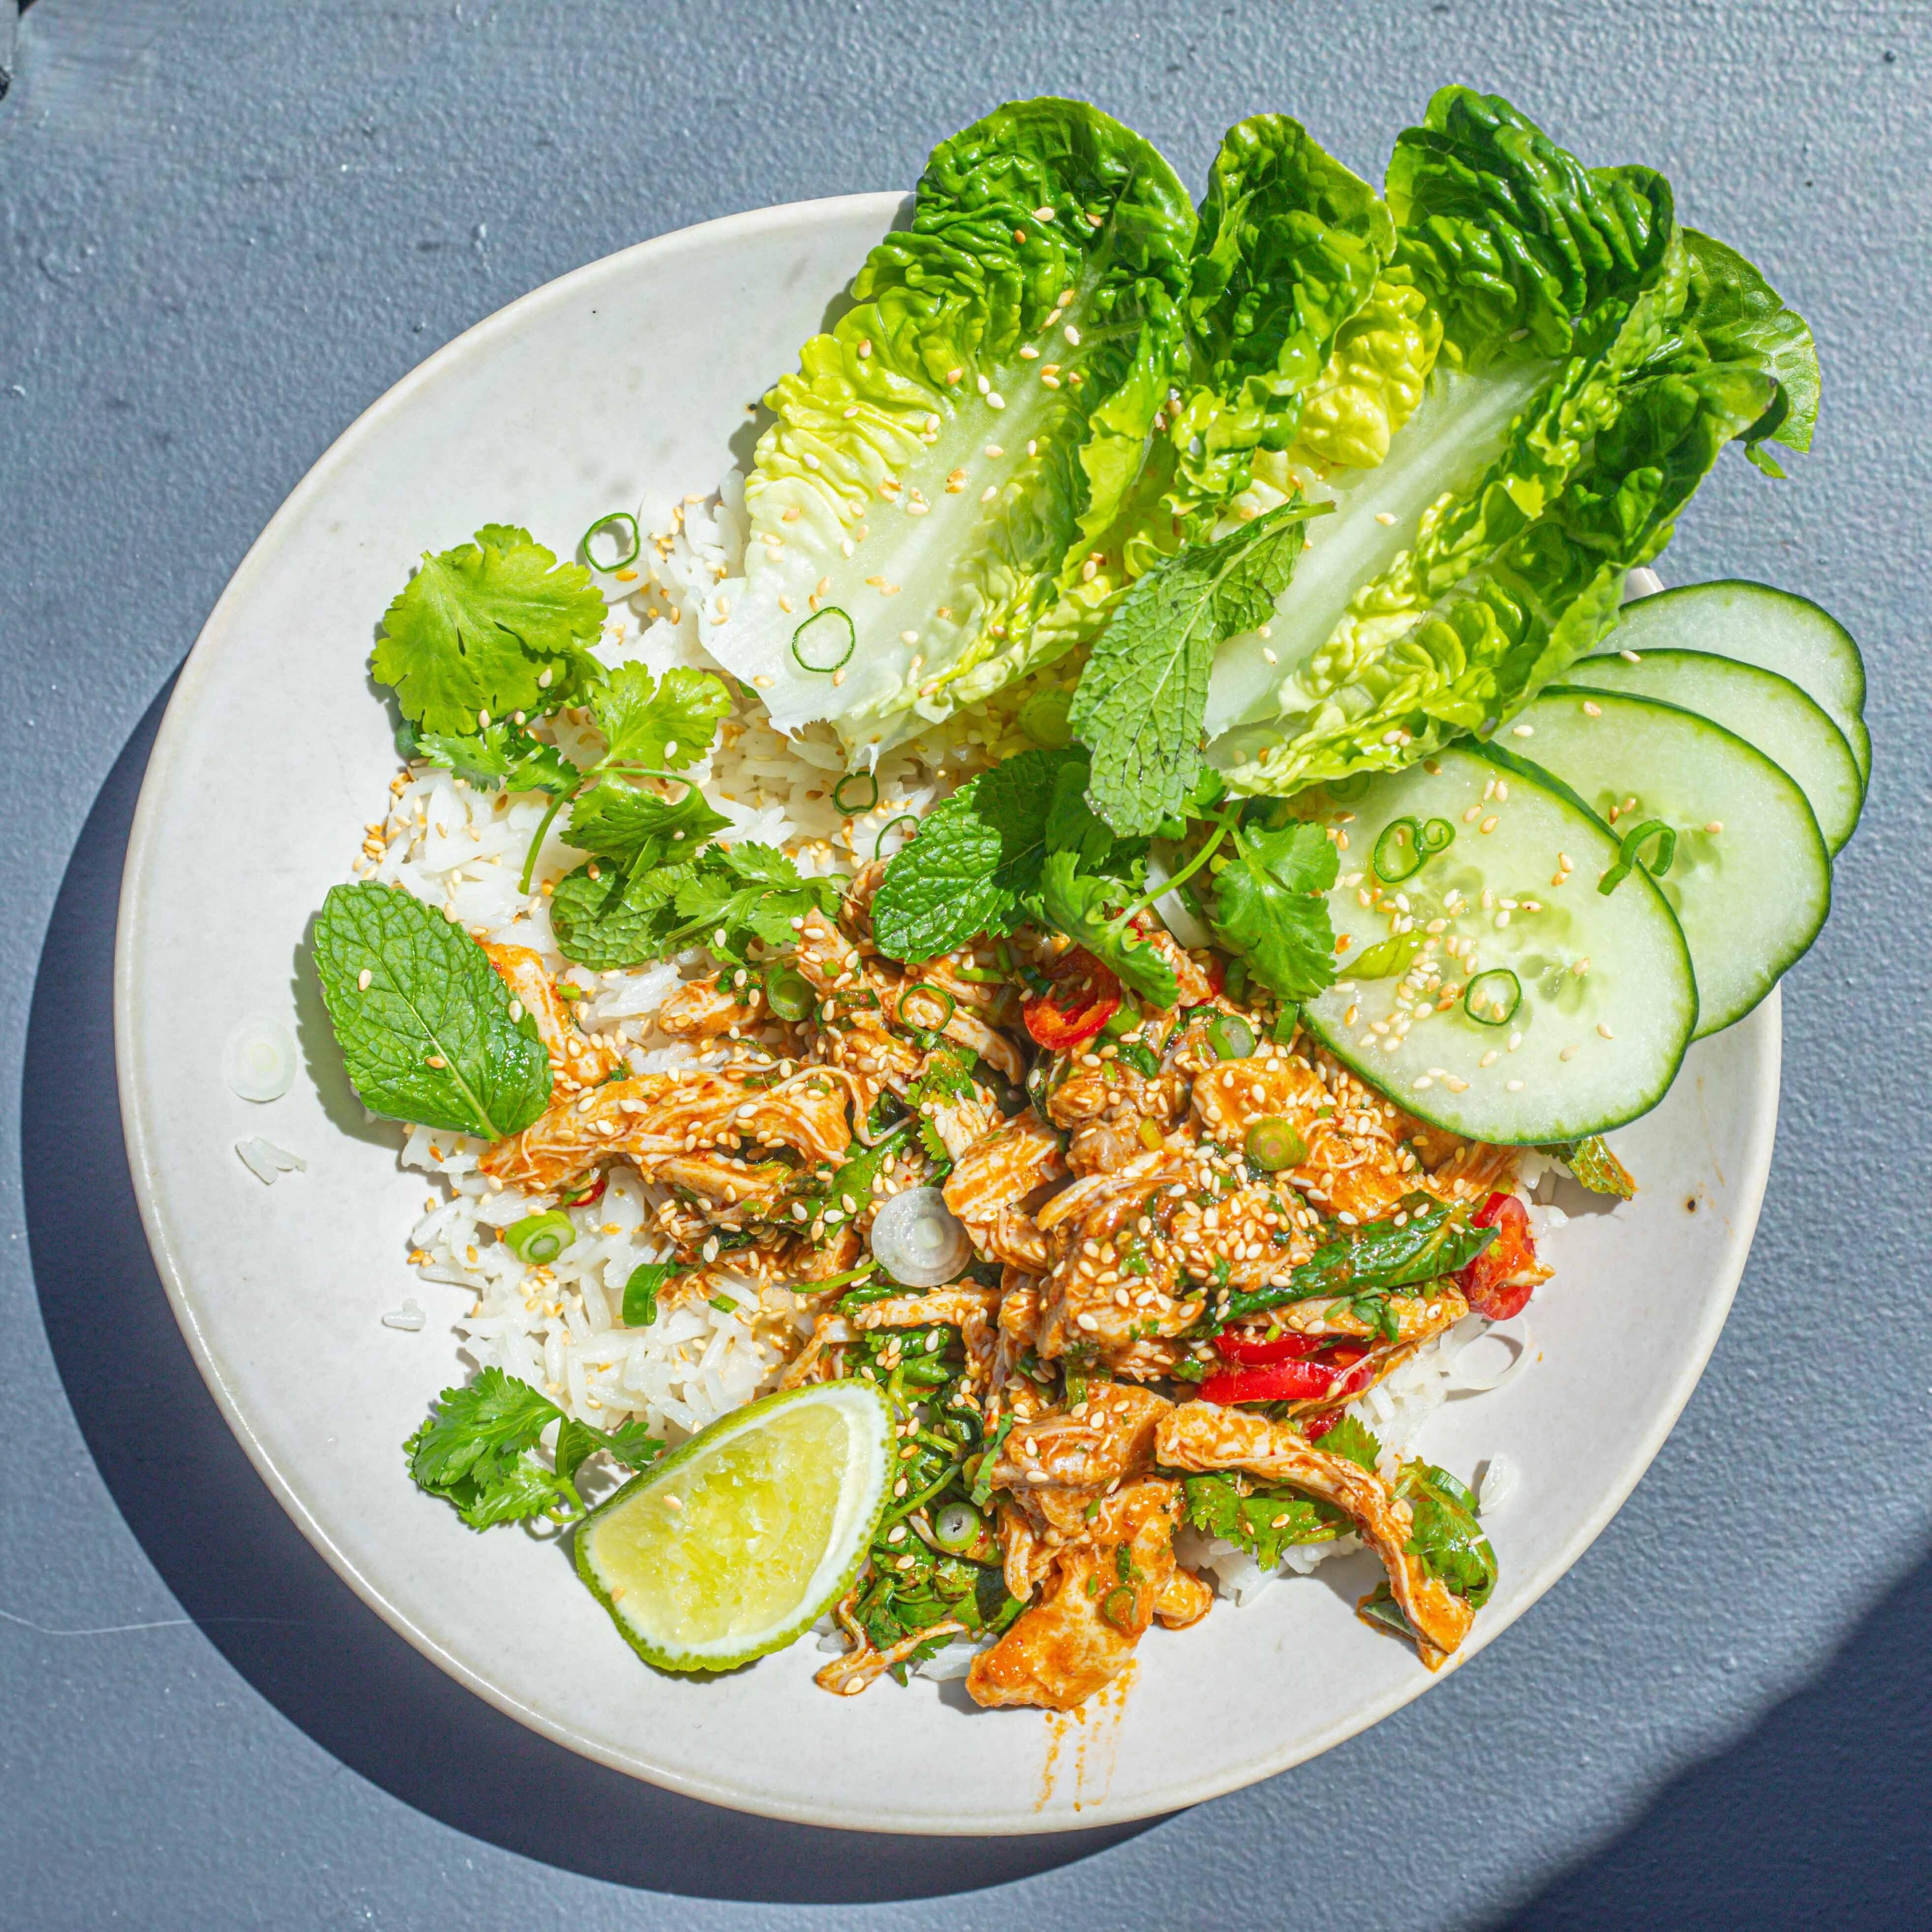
[
  {"x": 1664, "y": 606},
  {"x": 1422, "y": 1109},
  {"x": 1583, "y": 691},
  {"x": 685, "y": 1665}
]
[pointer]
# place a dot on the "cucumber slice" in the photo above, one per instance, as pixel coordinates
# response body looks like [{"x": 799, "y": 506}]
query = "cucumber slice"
[
  {"x": 1751, "y": 895},
  {"x": 1606, "y": 1002},
  {"x": 1757, "y": 625},
  {"x": 1763, "y": 708}
]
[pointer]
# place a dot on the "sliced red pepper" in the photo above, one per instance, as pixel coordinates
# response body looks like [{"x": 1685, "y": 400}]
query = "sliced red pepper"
[
  {"x": 1317, "y": 1426},
  {"x": 1084, "y": 996},
  {"x": 1500, "y": 1281},
  {"x": 1278, "y": 1381},
  {"x": 1240, "y": 1346}
]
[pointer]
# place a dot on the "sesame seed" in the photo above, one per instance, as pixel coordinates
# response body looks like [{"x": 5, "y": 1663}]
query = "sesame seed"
[
  {"x": 1570, "y": 1051},
  {"x": 1488, "y": 824},
  {"x": 1385, "y": 517},
  {"x": 1630, "y": 657},
  {"x": 1591, "y": 710},
  {"x": 1523, "y": 730},
  {"x": 994, "y": 400},
  {"x": 363, "y": 978},
  {"x": 1716, "y": 826},
  {"x": 1475, "y": 812},
  {"x": 1513, "y": 1086}
]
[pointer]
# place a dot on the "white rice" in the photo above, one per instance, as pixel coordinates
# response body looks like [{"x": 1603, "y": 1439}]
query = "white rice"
[{"x": 560, "y": 1327}]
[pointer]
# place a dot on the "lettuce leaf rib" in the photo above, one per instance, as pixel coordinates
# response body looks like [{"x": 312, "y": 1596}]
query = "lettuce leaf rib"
[{"x": 946, "y": 456}]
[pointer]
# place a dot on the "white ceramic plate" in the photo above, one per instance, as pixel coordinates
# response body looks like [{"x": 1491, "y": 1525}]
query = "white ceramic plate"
[{"x": 625, "y": 381}]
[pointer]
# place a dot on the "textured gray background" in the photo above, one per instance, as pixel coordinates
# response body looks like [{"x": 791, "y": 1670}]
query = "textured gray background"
[{"x": 224, "y": 230}]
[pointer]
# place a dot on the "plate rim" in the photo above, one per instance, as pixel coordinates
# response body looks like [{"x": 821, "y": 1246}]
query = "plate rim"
[{"x": 219, "y": 633}]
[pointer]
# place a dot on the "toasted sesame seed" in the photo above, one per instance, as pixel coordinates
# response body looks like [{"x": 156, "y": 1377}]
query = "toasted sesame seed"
[
  {"x": 1570, "y": 1051},
  {"x": 1591, "y": 710},
  {"x": 1385, "y": 517},
  {"x": 1716, "y": 826},
  {"x": 1488, "y": 824}
]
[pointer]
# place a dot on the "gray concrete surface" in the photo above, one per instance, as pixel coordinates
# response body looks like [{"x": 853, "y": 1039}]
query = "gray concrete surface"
[{"x": 225, "y": 228}]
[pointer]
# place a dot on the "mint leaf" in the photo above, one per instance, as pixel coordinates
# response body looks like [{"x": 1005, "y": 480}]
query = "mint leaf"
[
  {"x": 495, "y": 626},
  {"x": 976, "y": 857},
  {"x": 637, "y": 830},
  {"x": 1271, "y": 908},
  {"x": 1143, "y": 693},
  {"x": 429, "y": 1037},
  {"x": 617, "y": 919},
  {"x": 671, "y": 723},
  {"x": 506, "y": 754}
]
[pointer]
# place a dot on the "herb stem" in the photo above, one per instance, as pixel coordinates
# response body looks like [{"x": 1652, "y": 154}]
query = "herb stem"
[{"x": 1222, "y": 826}]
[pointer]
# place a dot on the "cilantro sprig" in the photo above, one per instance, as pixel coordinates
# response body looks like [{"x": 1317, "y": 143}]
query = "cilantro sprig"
[{"x": 477, "y": 1452}]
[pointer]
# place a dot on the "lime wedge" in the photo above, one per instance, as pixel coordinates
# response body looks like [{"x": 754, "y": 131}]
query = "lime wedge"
[{"x": 739, "y": 1542}]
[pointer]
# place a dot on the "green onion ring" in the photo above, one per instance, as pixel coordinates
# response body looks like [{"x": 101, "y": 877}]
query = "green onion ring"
[
  {"x": 904, "y": 818},
  {"x": 1346, "y": 791},
  {"x": 1386, "y": 854},
  {"x": 538, "y": 1238},
  {"x": 852, "y": 807},
  {"x": 1438, "y": 836},
  {"x": 604, "y": 523},
  {"x": 1273, "y": 1143},
  {"x": 939, "y": 992},
  {"x": 824, "y": 642},
  {"x": 1043, "y": 718},
  {"x": 1634, "y": 841},
  {"x": 1230, "y": 1036},
  {"x": 1501, "y": 999},
  {"x": 788, "y": 993}
]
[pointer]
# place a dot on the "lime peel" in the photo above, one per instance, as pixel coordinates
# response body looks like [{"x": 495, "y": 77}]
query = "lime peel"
[{"x": 734, "y": 1545}]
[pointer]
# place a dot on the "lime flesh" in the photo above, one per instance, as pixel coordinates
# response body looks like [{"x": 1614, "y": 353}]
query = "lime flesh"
[{"x": 738, "y": 1542}]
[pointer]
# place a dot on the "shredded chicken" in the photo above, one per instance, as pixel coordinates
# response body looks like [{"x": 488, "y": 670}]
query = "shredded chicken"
[{"x": 577, "y": 1059}]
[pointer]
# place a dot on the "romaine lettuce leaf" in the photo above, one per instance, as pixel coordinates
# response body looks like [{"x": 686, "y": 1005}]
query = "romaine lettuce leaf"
[
  {"x": 946, "y": 456},
  {"x": 1455, "y": 576}
]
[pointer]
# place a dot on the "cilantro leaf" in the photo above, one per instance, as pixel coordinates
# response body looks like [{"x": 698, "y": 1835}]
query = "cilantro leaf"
[
  {"x": 637, "y": 830},
  {"x": 1143, "y": 693},
  {"x": 507, "y": 754},
  {"x": 751, "y": 891},
  {"x": 477, "y": 1450},
  {"x": 671, "y": 723},
  {"x": 1271, "y": 910},
  {"x": 1444, "y": 1532},
  {"x": 976, "y": 857},
  {"x": 1266, "y": 1521},
  {"x": 497, "y": 625},
  {"x": 1354, "y": 1442},
  {"x": 1089, "y": 909},
  {"x": 429, "y": 1037}
]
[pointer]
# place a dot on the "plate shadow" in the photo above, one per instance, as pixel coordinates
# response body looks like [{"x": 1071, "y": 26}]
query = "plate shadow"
[{"x": 263, "y": 1596}]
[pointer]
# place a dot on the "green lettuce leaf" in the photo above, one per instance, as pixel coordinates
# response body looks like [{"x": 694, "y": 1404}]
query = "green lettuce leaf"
[
  {"x": 1487, "y": 545},
  {"x": 949, "y": 453}
]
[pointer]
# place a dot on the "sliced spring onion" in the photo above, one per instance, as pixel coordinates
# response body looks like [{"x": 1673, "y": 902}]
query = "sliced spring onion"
[
  {"x": 1346, "y": 791},
  {"x": 258, "y": 1061},
  {"x": 1043, "y": 718},
  {"x": 1491, "y": 998},
  {"x": 917, "y": 1240},
  {"x": 1406, "y": 846},
  {"x": 1123, "y": 1019},
  {"x": 538, "y": 1238},
  {"x": 788, "y": 992},
  {"x": 1230, "y": 1036},
  {"x": 615, "y": 522},
  {"x": 1274, "y": 1143},
  {"x": 855, "y": 792},
  {"x": 892, "y": 825},
  {"x": 1387, "y": 957},
  {"x": 1286, "y": 1022},
  {"x": 1138, "y": 1054},
  {"x": 824, "y": 642},
  {"x": 957, "y": 1527},
  {"x": 938, "y": 993},
  {"x": 1631, "y": 849},
  {"x": 646, "y": 1283}
]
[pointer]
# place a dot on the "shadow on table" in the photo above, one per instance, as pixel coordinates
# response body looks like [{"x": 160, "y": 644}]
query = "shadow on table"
[
  {"x": 263, "y": 1596},
  {"x": 1816, "y": 1816}
]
